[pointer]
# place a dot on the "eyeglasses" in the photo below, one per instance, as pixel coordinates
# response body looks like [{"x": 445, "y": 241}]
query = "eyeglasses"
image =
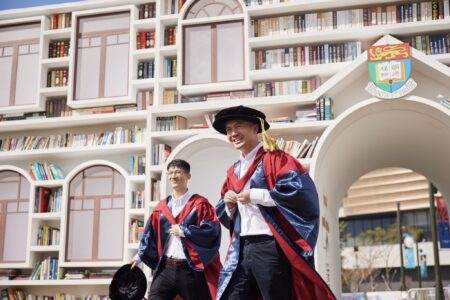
[{"x": 175, "y": 173}]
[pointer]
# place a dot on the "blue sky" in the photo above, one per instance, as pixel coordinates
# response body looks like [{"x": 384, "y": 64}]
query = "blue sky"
[{"x": 12, "y": 4}]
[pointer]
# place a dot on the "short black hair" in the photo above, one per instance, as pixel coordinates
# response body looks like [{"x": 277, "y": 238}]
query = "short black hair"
[{"x": 181, "y": 164}]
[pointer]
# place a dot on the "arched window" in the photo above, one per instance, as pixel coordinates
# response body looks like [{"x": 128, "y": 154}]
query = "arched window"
[
  {"x": 14, "y": 203},
  {"x": 213, "y": 42},
  {"x": 96, "y": 215}
]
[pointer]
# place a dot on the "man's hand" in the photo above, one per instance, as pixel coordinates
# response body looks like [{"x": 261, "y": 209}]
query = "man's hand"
[
  {"x": 230, "y": 199},
  {"x": 175, "y": 230},
  {"x": 244, "y": 197}
]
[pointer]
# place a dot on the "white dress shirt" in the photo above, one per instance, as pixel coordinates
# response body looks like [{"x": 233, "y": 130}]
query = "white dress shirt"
[
  {"x": 252, "y": 221},
  {"x": 174, "y": 247}
]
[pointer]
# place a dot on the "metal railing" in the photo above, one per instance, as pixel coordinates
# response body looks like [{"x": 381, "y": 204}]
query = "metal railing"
[{"x": 427, "y": 294}]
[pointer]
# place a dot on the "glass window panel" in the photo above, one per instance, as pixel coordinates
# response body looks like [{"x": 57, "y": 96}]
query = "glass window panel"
[
  {"x": 15, "y": 243},
  {"x": 197, "y": 66},
  {"x": 12, "y": 207},
  {"x": 79, "y": 245},
  {"x": 358, "y": 227},
  {"x": 83, "y": 43},
  {"x": 88, "y": 204},
  {"x": 111, "y": 234},
  {"x": 23, "y": 49},
  {"x": 23, "y": 206},
  {"x": 407, "y": 219},
  {"x": 8, "y": 176},
  {"x": 98, "y": 171},
  {"x": 123, "y": 38},
  {"x": 118, "y": 203},
  {"x": 24, "y": 32},
  {"x": 76, "y": 204},
  {"x": 116, "y": 70},
  {"x": 24, "y": 188},
  {"x": 8, "y": 191},
  {"x": 27, "y": 79},
  {"x": 8, "y": 51},
  {"x": 76, "y": 186},
  {"x": 214, "y": 9},
  {"x": 119, "y": 184},
  {"x": 230, "y": 52},
  {"x": 421, "y": 218},
  {"x": 105, "y": 203},
  {"x": 1, "y": 51},
  {"x": 111, "y": 39},
  {"x": 88, "y": 73},
  {"x": 5, "y": 80},
  {"x": 96, "y": 41},
  {"x": 34, "y": 48},
  {"x": 105, "y": 22},
  {"x": 376, "y": 222},
  {"x": 367, "y": 224},
  {"x": 98, "y": 186}
]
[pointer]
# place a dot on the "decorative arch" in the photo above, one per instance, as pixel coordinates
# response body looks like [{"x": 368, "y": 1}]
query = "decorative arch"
[
  {"x": 95, "y": 193},
  {"x": 411, "y": 133},
  {"x": 214, "y": 46},
  {"x": 16, "y": 191},
  {"x": 213, "y": 8}
]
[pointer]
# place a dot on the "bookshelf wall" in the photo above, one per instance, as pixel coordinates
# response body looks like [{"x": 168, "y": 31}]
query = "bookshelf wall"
[{"x": 305, "y": 54}]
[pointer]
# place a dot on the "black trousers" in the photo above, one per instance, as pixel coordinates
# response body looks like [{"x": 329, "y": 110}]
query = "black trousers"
[
  {"x": 263, "y": 270},
  {"x": 173, "y": 280}
]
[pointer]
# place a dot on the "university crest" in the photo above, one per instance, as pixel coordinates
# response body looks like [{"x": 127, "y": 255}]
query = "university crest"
[{"x": 389, "y": 71}]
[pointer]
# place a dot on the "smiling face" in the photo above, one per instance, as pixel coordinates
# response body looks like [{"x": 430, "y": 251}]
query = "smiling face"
[
  {"x": 243, "y": 135},
  {"x": 178, "y": 179}
]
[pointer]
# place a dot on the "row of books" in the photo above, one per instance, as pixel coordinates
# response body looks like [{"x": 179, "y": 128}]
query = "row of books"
[
  {"x": 170, "y": 123},
  {"x": 171, "y": 96},
  {"x": 146, "y": 69},
  {"x": 155, "y": 187},
  {"x": 324, "y": 108},
  {"x": 144, "y": 98},
  {"x": 47, "y": 200},
  {"x": 44, "y": 171},
  {"x": 57, "y": 107},
  {"x": 286, "y": 87},
  {"x": 59, "y": 21},
  {"x": 430, "y": 43},
  {"x": 57, "y": 78},
  {"x": 58, "y": 48},
  {"x": 304, "y": 56},
  {"x": 264, "y": 2},
  {"x": 170, "y": 67},
  {"x": 147, "y": 11},
  {"x": 299, "y": 150},
  {"x": 46, "y": 270},
  {"x": 137, "y": 164},
  {"x": 350, "y": 18},
  {"x": 173, "y": 6},
  {"x": 47, "y": 236},
  {"x": 160, "y": 153},
  {"x": 137, "y": 199},
  {"x": 170, "y": 35},
  {"x": 136, "y": 231},
  {"x": 119, "y": 135},
  {"x": 145, "y": 39}
]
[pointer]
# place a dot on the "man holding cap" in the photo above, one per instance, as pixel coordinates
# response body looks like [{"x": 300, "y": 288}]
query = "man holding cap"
[
  {"x": 270, "y": 205},
  {"x": 181, "y": 241}
]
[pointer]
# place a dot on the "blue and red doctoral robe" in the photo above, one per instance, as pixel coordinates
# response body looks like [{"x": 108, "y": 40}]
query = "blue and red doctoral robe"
[
  {"x": 201, "y": 243},
  {"x": 294, "y": 221}
]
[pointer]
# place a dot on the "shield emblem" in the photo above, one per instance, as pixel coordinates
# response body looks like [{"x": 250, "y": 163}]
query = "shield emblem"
[{"x": 389, "y": 66}]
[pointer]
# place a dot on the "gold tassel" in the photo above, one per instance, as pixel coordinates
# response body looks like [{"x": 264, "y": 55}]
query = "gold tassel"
[{"x": 269, "y": 143}]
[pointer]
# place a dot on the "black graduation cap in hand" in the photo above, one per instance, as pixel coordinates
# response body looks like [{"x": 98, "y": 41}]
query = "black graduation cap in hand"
[{"x": 128, "y": 284}]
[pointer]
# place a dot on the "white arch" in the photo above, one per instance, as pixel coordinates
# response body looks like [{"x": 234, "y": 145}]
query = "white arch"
[
  {"x": 96, "y": 162},
  {"x": 18, "y": 170},
  {"x": 412, "y": 133},
  {"x": 197, "y": 140}
]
